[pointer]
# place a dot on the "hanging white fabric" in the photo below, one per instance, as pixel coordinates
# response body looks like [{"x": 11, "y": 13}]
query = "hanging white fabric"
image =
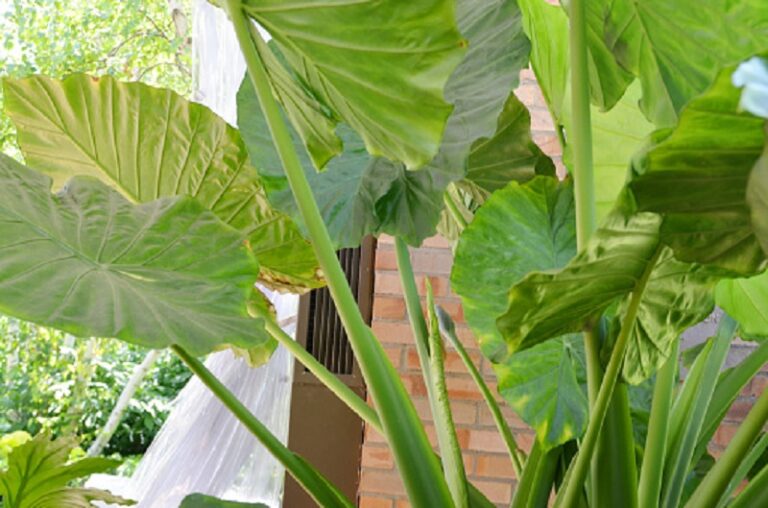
[{"x": 202, "y": 448}]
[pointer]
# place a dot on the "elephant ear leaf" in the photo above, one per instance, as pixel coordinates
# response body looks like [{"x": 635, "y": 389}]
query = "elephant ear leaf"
[
  {"x": 543, "y": 385},
  {"x": 697, "y": 179},
  {"x": 203, "y": 501},
  {"x": 160, "y": 145},
  {"x": 39, "y": 475},
  {"x": 390, "y": 92},
  {"x": 623, "y": 258},
  {"x": 523, "y": 228},
  {"x": 89, "y": 262},
  {"x": 676, "y": 47}
]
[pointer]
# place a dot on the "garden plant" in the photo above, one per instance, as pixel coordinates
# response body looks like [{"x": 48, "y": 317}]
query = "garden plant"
[{"x": 145, "y": 217}]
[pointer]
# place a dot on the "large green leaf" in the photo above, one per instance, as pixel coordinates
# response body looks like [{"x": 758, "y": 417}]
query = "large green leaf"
[
  {"x": 346, "y": 191},
  {"x": 152, "y": 143},
  {"x": 542, "y": 384},
  {"x": 203, "y": 501},
  {"x": 520, "y": 229},
  {"x": 380, "y": 66},
  {"x": 696, "y": 176},
  {"x": 757, "y": 199},
  {"x": 359, "y": 194},
  {"x": 746, "y": 301},
  {"x": 678, "y": 296},
  {"x": 509, "y": 155},
  {"x": 677, "y": 47},
  {"x": 87, "y": 261},
  {"x": 624, "y": 256},
  {"x": 618, "y": 133},
  {"x": 38, "y": 476}
]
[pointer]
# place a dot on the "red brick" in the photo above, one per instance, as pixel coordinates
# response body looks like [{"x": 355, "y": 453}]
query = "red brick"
[
  {"x": 437, "y": 241},
  {"x": 395, "y": 354},
  {"x": 496, "y": 491},
  {"x": 375, "y": 502},
  {"x": 758, "y": 384},
  {"x": 464, "y": 388},
  {"x": 389, "y": 332},
  {"x": 432, "y": 261},
  {"x": 464, "y": 413},
  {"x": 377, "y": 457},
  {"x": 388, "y": 283},
  {"x": 739, "y": 409},
  {"x": 385, "y": 259},
  {"x": 374, "y": 481},
  {"x": 494, "y": 466},
  {"x": 725, "y": 433},
  {"x": 389, "y": 308},
  {"x": 441, "y": 285}
]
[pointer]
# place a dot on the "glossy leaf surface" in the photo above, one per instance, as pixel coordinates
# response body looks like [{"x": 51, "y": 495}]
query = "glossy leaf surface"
[
  {"x": 151, "y": 143},
  {"x": 542, "y": 384},
  {"x": 697, "y": 178},
  {"x": 87, "y": 261}
]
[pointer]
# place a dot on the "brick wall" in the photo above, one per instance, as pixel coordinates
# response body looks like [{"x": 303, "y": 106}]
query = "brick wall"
[{"x": 487, "y": 465}]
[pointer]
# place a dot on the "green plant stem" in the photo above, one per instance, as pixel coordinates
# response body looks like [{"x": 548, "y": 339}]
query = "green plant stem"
[
  {"x": 717, "y": 479},
  {"x": 308, "y": 477},
  {"x": 476, "y": 498},
  {"x": 330, "y": 380},
  {"x": 453, "y": 209},
  {"x": 743, "y": 470},
  {"x": 569, "y": 495},
  {"x": 581, "y": 135},
  {"x": 755, "y": 495},
  {"x": 418, "y": 466},
  {"x": 652, "y": 470},
  {"x": 515, "y": 454}
]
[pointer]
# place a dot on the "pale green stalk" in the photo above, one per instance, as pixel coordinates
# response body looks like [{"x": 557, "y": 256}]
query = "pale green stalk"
[
  {"x": 453, "y": 209},
  {"x": 716, "y": 481},
  {"x": 649, "y": 490},
  {"x": 569, "y": 494},
  {"x": 515, "y": 454},
  {"x": 418, "y": 466}
]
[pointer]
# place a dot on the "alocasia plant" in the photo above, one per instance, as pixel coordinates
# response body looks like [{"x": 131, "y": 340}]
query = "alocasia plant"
[{"x": 361, "y": 118}]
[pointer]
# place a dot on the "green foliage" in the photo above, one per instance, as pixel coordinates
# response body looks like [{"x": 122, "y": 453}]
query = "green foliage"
[
  {"x": 68, "y": 128},
  {"x": 39, "y": 475},
  {"x": 128, "y": 39},
  {"x": 339, "y": 50},
  {"x": 676, "y": 48},
  {"x": 162, "y": 273},
  {"x": 50, "y": 382},
  {"x": 697, "y": 178},
  {"x": 747, "y": 301}
]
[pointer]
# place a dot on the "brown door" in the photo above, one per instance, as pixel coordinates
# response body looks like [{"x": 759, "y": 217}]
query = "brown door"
[{"x": 322, "y": 429}]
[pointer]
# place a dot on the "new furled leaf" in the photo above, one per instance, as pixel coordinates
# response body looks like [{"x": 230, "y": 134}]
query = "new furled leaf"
[
  {"x": 697, "y": 179},
  {"x": 675, "y": 48},
  {"x": 390, "y": 92},
  {"x": 39, "y": 474},
  {"x": 87, "y": 261},
  {"x": 151, "y": 143}
]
